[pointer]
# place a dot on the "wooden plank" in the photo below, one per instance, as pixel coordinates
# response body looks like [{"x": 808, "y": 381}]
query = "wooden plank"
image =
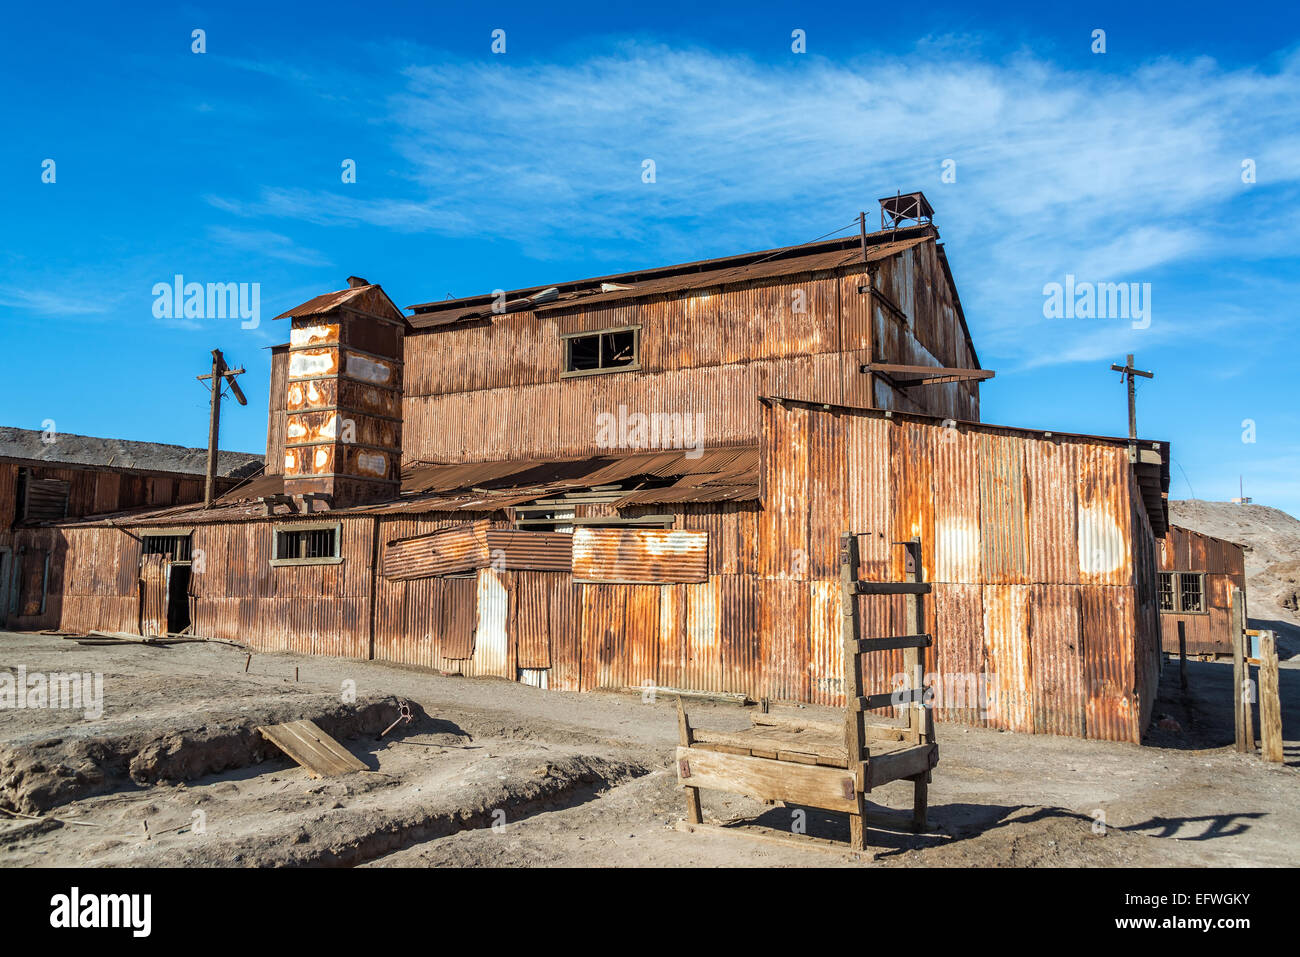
[
  {"x": 889, "y": 699},
  {"x": 854, "y": 735},
  {"x": 829, "y": 788},
  {"x": 772, "y": 742},
  {"x": 893, "y": 369},
  {"x": 1270, "y": 702},
  {"x": 777, "y": 719},
  {"x": 687, "y": 736},
  {"x": 770, "y": 835},
  {"x": 1240, "y": 714},
  {"x": 312, "y": 748},
  {"x": 896, "y": 765},
  {"x": 867, "y": 645},
  {"x": 891, "y": 588}
]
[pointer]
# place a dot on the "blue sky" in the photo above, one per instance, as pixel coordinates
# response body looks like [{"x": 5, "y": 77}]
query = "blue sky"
[{"x": 478, "y": 170}]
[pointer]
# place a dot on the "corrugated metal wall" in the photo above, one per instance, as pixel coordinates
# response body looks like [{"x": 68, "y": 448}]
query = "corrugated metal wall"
[
  {"x": 490, "y": 389},
  {"x": 1039, "y": 550},
  {"x": 1224, "y": 565}
]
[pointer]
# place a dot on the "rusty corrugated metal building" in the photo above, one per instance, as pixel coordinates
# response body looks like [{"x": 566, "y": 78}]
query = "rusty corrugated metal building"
[
  {"x": 46, "y": 477},
  {"x": 1195, "y": 580},
  {"x": 642, "y": 478}
]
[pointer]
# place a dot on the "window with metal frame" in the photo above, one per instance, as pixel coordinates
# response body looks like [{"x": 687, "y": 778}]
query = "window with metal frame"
[
  {"x": 1182, "y": 593},
  {"x": 1167, "y": 592},
  {"x": 606, "y": 350},
  {"x": 1191, "y": 591},
  {"x": 315, "y": 544}
]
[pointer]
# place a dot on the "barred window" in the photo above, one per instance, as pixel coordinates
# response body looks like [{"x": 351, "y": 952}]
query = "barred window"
[
  {"x": 1182, "y": 593},
  {"x": 1167, "y": 591},
  {"x": 1192, "y": 592},
  {"x": 179, "y": 547},
  {"x": 304, "y": 545}
]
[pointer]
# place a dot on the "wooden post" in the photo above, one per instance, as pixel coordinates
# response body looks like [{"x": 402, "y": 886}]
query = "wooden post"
[
  {"x": 854, "y": 719},
  {"x": 1270, "y": 702},
  {"x": 221, "y": 375},
  {"x": 694, "y": 814},
  {"x": 1182, "y": 653},
  {"x": 1240, "y": 674},
  {"x": 920, "y": 800},
  {"x": 1129, "y": 372},
  {"x": 214, "y": 425}
]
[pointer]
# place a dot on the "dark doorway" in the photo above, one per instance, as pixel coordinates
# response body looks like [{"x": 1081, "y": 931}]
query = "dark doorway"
[{"x": 178, "y": 598}]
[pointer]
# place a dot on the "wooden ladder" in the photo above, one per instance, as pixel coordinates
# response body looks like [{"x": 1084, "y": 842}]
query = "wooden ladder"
[{"x": 917, "y": 727}]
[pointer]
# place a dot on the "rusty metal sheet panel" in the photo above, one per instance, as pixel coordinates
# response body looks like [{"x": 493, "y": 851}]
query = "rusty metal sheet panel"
[
  {"x": 491, "y": 643},
  {"x": 783, "y": 523},
  {"x": 783, "y": 609},
  {"x": 702, "y": 667},
  {"x": 459, "y": 619},
  {"x": 741, "y": 652},
  {"x": 1006, "y": 642},
  {"x": 530, "y": 616},
  {"x": 912, "y": 473},
  {"x": 649, "y": 555},
  {"x": 870, "y": 491},
  {"x": 444, "y": 552},
  {"x": 604, "y": 609},
  {"x": 732, "y": 531},
  {"x": 825, "y": 644},
  {"x": 1003, "y": 517},
  {"x": 1108, "y": 666},
  {"x": 153, "y": 594},
  {"x": 672, "y": 636},
  {"x": 514, "y": 549},
  {"x": 958, "y": 653},
  {"x": 1056, "y": 660},
  {"x": 1051, "y": 488},
  {"x": 956, "y": 487},
  {"x": 828, "y": 504},
  {"x": 1105, "y": 535}
]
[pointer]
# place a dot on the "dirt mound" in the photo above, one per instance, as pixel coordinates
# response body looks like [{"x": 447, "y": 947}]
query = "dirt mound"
[{"x": 40, "y": 773}]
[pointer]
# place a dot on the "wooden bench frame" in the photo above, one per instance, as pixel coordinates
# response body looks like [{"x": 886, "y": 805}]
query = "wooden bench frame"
[{"x": 775, "y": 767}]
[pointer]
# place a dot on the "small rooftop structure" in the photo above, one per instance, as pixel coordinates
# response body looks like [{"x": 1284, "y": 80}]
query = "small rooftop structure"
[{"x": 905, "y": 207}]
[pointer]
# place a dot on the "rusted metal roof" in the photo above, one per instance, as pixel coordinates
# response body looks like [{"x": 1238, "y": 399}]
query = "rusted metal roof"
[
  {"x": 369, "y": 297},
  {"x": 30, "y": 445},
  {"x": 709, "y": 475},
  {"x": 703, "y": 274}
]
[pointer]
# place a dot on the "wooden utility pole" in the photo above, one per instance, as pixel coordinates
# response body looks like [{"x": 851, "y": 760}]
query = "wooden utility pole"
[
  {"x": 219, "y": 376},
  {"x": 1129, "y": 372}
]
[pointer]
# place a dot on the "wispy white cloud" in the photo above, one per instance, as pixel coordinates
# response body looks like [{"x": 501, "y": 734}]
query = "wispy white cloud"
[
  {"x": 52, "y": 303},
  {"x": 270, "y": 245},
  {"x": 1059, "y": 170}
]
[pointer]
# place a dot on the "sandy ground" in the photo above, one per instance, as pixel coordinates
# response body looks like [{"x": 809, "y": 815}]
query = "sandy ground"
[{"x": 495, "y": 773}]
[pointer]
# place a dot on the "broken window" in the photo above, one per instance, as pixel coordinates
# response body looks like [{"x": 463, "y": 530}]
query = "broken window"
[
  {"x": 306, "y": 545},
  {"x": 1182, "y": 593},
  {"x": 41, "y": 500},
  {"x": 605, "y": 351}
]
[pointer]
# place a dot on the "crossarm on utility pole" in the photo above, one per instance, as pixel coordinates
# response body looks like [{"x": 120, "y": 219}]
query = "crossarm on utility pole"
[{"x": 219, "y": 375}]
